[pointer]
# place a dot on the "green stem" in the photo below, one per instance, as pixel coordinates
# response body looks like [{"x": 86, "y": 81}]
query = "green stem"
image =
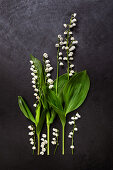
[
  {"x": 33, "y": 152},
  {"x": 56, "y": 146},
  {"x": 48, "y": 136},
  {"x": 73, "y": 137},
  {"x": 67, "y": 55},
  {"x": 57, "y": 72},
  {"x": 68, "y": 66},
  {"x": 63, "y": 127},
  {"x": 34, "y": 141},
  {"x": 72, "y": 145},
  {"x": 38, "y": 151},
  {"x": 44, "y": 69},
  {"x": 67, "y": 45}
]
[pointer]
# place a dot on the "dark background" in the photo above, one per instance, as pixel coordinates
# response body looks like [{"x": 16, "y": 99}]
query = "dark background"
[{"x": 32, "y": 26}]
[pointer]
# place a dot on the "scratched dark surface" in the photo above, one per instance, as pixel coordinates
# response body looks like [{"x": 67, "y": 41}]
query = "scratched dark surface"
[{"x": 32, "y": 26}]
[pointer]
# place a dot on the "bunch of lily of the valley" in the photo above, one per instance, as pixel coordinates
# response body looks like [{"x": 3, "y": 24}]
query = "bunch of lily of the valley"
[{"x": 56, "y": 97}]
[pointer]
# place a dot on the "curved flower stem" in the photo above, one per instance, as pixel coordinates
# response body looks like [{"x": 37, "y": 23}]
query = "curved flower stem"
[
  {"x": 56, "y": 146},
  {"x": 57, "y": 72},
  {"x": 34, "y": 141},
  {"x": 73, "y": 136},
  {"x": 38, "y": 151},
  {"x": 44, "y": 69},
  {"x": 63, "y": 128},
  {"x": 67, "y": 54},
  {"x": 72, "y": 145},
  {"x": 33, "y": 152},
  {"x": 67, "y": 45},
  {"x": 48, "y": 136}
]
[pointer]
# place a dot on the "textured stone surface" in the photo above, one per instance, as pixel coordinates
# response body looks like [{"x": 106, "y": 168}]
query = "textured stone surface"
[{"x": 31, "y": 27}]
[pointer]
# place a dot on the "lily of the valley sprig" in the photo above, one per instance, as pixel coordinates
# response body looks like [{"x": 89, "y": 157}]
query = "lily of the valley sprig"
[
  {"x": 32, "y": 137},
  {"x": 71, "y": 134},
  {"x": 55, "y": 139},
  {"x": 55, "y": 97},
  {"x": 43, "y": 144}
]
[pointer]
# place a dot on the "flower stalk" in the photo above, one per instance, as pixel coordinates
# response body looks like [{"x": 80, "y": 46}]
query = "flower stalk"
[
  {"x": 55, "y": 138},
  {"x": 56, "y": 145},
  {"x": 63, "y": 130},
  {"x": 73, "y": 137},
  {"x": 48, "y": 137},
  {"x": 67, "y": 51},
  {"x": 57, "y": 71},
  {"x": 71, "y": 134},
  {"x": 43, "y": 144},
  {"x": 38, "y": 149}
]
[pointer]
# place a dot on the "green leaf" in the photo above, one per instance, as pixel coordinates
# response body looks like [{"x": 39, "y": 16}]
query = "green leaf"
[
  {"x": 37, "y": 64},
  {"x": 62, "y": 80},
  {"x": 53, "y": 115},
  {"x": 38, "y": 113},
  {"x": 25, "y": 110},
  {"x": 39, "y": 67},
  {"x": 43, "y": 99},
  {"x": 62, "y": 118},
  {"x": 47, "y": 117},
  {"x": 75, "y": 91},
  {"x": 55, "y": 103},
  {"x": 53, "y": 100},
  {"x": 41, "y": 122}
]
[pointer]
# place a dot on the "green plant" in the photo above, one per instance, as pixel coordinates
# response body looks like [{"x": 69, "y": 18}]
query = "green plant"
[{"x": 58, "y": 97}]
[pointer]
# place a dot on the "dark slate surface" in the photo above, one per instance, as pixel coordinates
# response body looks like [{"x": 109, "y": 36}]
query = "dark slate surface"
[{"x": 32, "y": 26}]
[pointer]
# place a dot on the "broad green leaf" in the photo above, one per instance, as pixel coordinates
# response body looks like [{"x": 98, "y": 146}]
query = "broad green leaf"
[
  {"x": 61, "y": 82},
  {"x": 38, "y": 113},
  {"x": 41, "y": 122},
  {"x": 25, "y": 110},
  {"x": 55, "y": 103},
  {"x": 53, "y": 100},
  {"x": 75, "y": 91}
]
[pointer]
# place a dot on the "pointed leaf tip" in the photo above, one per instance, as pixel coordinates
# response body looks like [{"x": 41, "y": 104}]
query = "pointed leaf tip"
[{"x": 25, "y": 110}]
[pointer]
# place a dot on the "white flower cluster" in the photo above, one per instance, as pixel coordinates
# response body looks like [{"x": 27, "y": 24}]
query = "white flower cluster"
[
  {"x": 43, "y": 144},
  {"x": 60, "y": 41},
  {"x": 55, "y": 138},
  {"x": 72, "y": 22},
  {"x": 77, "y": 116},
  {"x": 48, "y": 69},
  {"x": 68, "y": 44},
  {"x": 72, "y": 122},
  {"x": 70, "y": 47},
  {"x": 58, "y": 45},
  {"x": 34, "y": 82},
  {"x": 32, "y": 139}
]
